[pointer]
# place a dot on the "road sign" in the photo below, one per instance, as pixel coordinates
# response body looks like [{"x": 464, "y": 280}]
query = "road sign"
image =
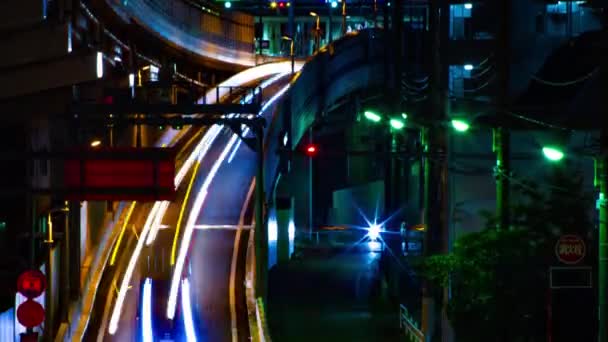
[
  {"x": 30, "y": 313},
  {"x": 31, "y": 283},
  {"x": 570, "y": 249},
  {"x": 121, "y": 174}
]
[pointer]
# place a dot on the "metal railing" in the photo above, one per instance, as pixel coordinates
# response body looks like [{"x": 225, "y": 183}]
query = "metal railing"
[
  {"x": 194, "y": 28},
  {"x": 409, "y": 326}
]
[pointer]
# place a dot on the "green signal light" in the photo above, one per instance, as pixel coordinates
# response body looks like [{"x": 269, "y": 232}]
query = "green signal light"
[
  {"x": 397, "y": 124},
  {"x": 372, "y": 116},
  {"x": 404, "y": 116},
  {"x": 227, "y": 4},
  {"x": 460, "y": 125},
  {"x": 552, "y": 153}
]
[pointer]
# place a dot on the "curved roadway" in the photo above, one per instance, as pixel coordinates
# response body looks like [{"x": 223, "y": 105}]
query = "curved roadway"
[{"x": 214, "y": 267}]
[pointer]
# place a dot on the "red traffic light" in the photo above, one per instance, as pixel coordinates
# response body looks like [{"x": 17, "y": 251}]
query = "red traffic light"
[
  {"x": 31, "y": 284},
  {"x": 30, "y": 313},
  {"x": 311, "y": 150}
]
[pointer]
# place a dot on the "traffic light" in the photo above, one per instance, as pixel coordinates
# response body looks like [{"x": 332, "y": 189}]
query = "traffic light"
[
  {"x": 227, "y": 4},
  {"x": 311, "y": 150}
]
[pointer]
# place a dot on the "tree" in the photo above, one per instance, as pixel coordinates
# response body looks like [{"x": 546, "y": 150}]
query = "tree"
[{"x": 499, "y": 278}]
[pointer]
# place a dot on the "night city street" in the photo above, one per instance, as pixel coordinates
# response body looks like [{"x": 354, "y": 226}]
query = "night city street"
[{"x": 310, "y": 170}]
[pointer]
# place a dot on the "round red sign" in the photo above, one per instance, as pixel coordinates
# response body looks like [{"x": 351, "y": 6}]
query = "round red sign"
[
  {"x": 31, "y": 283},
  {"x": 30, "y": 313},
  {"x": 570, "y": 249}
]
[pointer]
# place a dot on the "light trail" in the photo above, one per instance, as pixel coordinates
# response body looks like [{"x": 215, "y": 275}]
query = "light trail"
[
  {"x": 198, "y": 203},
  {"x": 154, "y": 219},
  {"x": 122, "y": 233},
  {"x": 185, "y": 243},
  {"x": 215, "y": 130},
  {"x": 146, "y": 320},
  {"x": 187, "y": 310},
  {"x": 161, "y": 208}
]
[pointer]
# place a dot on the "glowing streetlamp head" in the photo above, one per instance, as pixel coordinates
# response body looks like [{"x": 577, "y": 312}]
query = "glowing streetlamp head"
[
  {"x": 397, "y": 124},
  {"x": 552, "y": 153},
  {"x": 374, "y": 232},
  {"x": 372, "y": 116},
  {"x": 460, "y": 125}
]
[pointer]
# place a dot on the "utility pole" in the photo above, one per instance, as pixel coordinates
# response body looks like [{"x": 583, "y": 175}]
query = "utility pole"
[
  {"x": 434, "y": 298},
  {"x": 501, "y": 146},
  {"x": 602, "y": 174},
  {"x": 501, "y": 137},
  {"x": 261, "y": 233}
]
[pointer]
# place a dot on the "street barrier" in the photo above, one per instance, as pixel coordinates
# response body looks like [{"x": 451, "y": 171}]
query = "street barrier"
[{"x": 409, "y": 326}]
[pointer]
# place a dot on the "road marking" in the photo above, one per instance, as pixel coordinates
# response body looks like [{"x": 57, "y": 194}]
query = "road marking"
[
  {"x": 235, "y": 253},
  {"x": 223, "y": 227},
  {"x": 181, "y": 212},
  {"x": 122, "y": 233}
]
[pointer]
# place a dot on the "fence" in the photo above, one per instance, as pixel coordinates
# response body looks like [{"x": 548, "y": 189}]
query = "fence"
[{"x": 409, "y": 326}]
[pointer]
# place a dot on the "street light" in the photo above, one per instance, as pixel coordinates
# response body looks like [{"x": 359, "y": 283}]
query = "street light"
[
  {"x": 95, "y": 143},
  {"x": 227, "y": 4},
  {"x": 317, "y": 30},
  {"x": 460, "y": 125},
  {"x": 553, "y": 153},
  {"x": 372, "y": 116},
  {"x": 290, "y": 52},
  {"x": 397, "y": 124}
]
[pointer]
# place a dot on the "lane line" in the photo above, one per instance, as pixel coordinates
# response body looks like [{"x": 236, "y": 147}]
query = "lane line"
[
  {"x": 197, "y": 164},
  {"x": 233, "y": 264},
  {"x": 122, "y": 233}
]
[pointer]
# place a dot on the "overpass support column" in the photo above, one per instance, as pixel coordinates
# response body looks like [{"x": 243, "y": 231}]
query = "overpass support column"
[
  {"x": 261, "y": 229},
  {"x": 284, "y": 214}
]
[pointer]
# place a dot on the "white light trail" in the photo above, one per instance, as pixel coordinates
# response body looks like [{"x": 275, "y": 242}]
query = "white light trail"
[
  {"x": 156, "y": 214},
  {"x": 194, "y": 212},
  {"x": 146, "y": 321},
  {"x": 193, "y": 215},
  {"x": 124, "y": 285},
  {"x": 154, "y": 218},
  {"x": 187, "y": 310}
]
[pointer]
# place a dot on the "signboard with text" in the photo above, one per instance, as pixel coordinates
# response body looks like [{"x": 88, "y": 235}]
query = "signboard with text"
[{"x": 570, "y": 249}]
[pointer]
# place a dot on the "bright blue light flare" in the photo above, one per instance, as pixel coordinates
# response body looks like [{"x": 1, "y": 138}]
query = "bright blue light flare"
[
  {"x": 334, "y": 4},
  {"x": 146, "y": 321},
  {"x": 468, "y": 6},
  {"x": 373, "y": 232},
  {"x": 227, "y": 4},
  {"x": 468, "y": 67}
]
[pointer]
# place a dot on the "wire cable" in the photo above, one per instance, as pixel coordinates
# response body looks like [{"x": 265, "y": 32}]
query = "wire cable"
[{"x": 565, "y": 83}]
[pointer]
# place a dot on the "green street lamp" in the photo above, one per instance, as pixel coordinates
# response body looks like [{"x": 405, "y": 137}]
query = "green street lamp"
[
  {"x": 397, "y": 124},
  {"x": 372, "y": 116},
  {"x": 460, "y": 125},
  {"x": 553, "y": 153}
]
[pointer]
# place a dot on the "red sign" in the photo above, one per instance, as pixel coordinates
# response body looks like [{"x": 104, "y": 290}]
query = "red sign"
[
  {"x": 31, "y": 283},
  {"x": 570, "y": 249},
  {"x": 121, "y": 174},
  {"x": 30, "y": 313}
]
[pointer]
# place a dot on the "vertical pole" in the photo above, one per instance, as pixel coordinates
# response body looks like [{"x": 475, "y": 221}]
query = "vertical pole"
[
  {"x": 261, "y": 232},
  {"x": 310, "y": 189},
  {"x": 331, "y": 36},
  {"x": 434, "y": 302},
  {"x": 343, "y": 17},
  {"x": 501, "y": 136},
  {"x": 64, "y": 297},
  {"x": 502, "y": 150},
  {"x": 601, "y": 172}
]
